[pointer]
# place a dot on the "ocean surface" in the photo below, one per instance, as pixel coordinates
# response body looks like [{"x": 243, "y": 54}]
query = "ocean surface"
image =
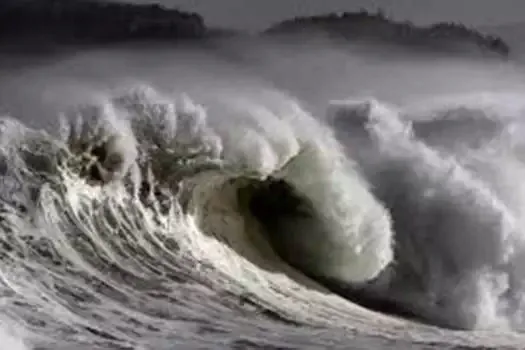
[{"x": 261, "y": 197}]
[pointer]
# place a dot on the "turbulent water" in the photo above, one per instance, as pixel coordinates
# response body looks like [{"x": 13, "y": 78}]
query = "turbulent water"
[{"x": 247, "y": 217}]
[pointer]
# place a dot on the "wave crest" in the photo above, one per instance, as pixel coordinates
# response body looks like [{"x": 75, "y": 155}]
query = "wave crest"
[{"x": 348, "y": 235}]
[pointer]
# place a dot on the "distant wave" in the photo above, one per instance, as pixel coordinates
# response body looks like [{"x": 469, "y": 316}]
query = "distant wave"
[
  {"x": 459, "y": 240},
  {"x": 143, "y": 191}
]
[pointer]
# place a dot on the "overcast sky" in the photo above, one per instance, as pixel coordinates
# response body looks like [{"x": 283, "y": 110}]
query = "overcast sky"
[{"x": 258, "y": 14}]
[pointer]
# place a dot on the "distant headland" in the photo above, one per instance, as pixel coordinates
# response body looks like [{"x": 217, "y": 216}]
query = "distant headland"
[
  {"x": 363, "y": 26},
  {"x": 94, "y": 22}
]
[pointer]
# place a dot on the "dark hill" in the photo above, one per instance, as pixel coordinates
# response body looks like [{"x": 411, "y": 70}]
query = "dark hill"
[
  {"x": 377, "y": 28},
  {"x": 91, "y": 21}
]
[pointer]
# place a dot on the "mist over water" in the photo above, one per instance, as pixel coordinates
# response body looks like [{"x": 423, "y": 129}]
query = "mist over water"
[{"x": 259, "y": 192}]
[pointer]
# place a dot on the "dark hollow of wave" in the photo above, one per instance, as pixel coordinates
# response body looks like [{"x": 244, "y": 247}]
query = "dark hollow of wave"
[{"x": 278, "y": 208}]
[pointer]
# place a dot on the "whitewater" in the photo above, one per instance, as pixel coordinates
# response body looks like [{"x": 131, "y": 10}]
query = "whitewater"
[{"x": 238, "y": 199}]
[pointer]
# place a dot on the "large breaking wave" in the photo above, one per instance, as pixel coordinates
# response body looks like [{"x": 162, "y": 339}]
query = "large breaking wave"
[{"x": 144, "y": 205}]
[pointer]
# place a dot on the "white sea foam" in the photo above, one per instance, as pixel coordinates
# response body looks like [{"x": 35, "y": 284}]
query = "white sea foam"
[{"x": 436, "y": 225}]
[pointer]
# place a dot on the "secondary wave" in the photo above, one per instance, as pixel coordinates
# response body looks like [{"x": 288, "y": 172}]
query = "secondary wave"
[{"x": 459, "y": 238}]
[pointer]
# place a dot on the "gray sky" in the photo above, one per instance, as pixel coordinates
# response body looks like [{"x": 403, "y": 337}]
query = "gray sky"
[{"x": 258, "y": 14}]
